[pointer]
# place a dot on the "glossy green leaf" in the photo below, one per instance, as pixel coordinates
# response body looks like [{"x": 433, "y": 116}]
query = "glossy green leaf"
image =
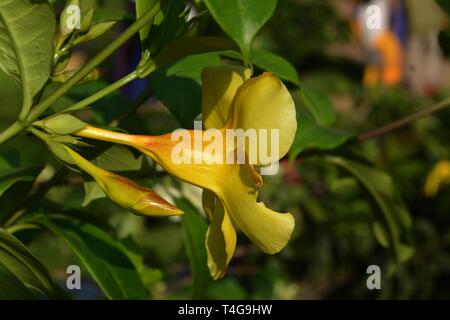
[
  {"x": 276, "y": 64},
  {"x": 16, "y": 257},
  {"x": 393, "y": 226},
  {"x": 319, "y": 105},
  {"x": 311, "y": 135},
  {"x": 183, "y": 47},
  {"x": 241, "y": 19},
  {"x": 27, "y": 29},
  {"x": 12, "y": 288},
  {"x": 102, "y": 256},
  {"x": 194, "y": 233},
  {"x": 178, "y": 86},
  {"x": 169, "y": 24}
]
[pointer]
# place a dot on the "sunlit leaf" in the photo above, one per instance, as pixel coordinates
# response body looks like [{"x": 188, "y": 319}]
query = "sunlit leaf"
[
  {"x": 241, "y": 19},
  {"x": 27, "y": 29}
]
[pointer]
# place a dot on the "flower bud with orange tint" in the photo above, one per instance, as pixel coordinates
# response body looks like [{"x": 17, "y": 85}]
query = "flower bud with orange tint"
[{"x": 124, "y": 192}]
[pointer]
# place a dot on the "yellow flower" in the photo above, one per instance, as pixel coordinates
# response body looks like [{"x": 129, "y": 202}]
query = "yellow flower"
[
  {"x": 231, "y": 100},
  {"x": 439, "y": 174},
  {"x": 124, "y": 192}
]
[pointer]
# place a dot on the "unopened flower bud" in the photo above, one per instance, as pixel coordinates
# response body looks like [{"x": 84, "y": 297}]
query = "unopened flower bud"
[{"x": 126, "y": 193}]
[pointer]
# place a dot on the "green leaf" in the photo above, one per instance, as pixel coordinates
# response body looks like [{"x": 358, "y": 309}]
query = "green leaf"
[
  {"x": 178, "y": 86},
  {"x": 27, "y": 30},
  {"x": 277, "y": 65},
  {"x": 194, "y": 233},
  {"x": 91, "y": 192},
  {"x": 168, "y": 25},
  {"x": 319, "y": 105},
  {"x": 12, "y": 288},
  {"x": 142, "y": 6},
  {"x": 149, "y": 276},
  {"x": 23, "y": 264},
  {"x": 119, "y": 158},
  {"x": 310, "y": 135},
  {"x": 241, "y": 19},
  {"x": 5, "y": 184},
  {"x": 183, "y": 47},
  {"x": 15, "y": 183},
  {"x": 102, "y": 256},
  {"x": 392, "y": 227}
]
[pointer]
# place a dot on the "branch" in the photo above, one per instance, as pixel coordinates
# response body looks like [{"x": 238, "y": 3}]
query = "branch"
[{"x": 404, "y": 121}]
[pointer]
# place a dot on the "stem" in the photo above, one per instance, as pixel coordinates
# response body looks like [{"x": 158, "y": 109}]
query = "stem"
[
  {"x": 11, "y": 131},
  {"x": 404, "y": 121},
  {"x": 84, "y": 71},
  {"x": 102, "y": 93}
]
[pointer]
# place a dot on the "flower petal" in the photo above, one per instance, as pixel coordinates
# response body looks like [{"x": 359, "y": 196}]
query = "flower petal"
[
  {"x": 219, "y": 86},
  {"x": 268, "y": 229},
  {"x": 220, "y": 238},
  {"x": 264, "y": 102}
]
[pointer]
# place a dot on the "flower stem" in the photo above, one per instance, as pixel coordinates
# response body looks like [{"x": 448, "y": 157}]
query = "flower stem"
[
  {"x": 102, "y": 93},
  {"x": 105, "y": 135},
  {"x": 404, "y": 121},
  {"x": 11, "y": 131}
]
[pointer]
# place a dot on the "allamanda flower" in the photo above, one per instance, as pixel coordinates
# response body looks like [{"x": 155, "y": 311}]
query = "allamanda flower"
[{"x": 230, "y": 100}]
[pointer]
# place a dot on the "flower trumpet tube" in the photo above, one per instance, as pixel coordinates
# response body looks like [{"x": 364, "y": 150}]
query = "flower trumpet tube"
[
  {"x": 231, "y": 101},
  {"x": 124, "y": 192}
]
